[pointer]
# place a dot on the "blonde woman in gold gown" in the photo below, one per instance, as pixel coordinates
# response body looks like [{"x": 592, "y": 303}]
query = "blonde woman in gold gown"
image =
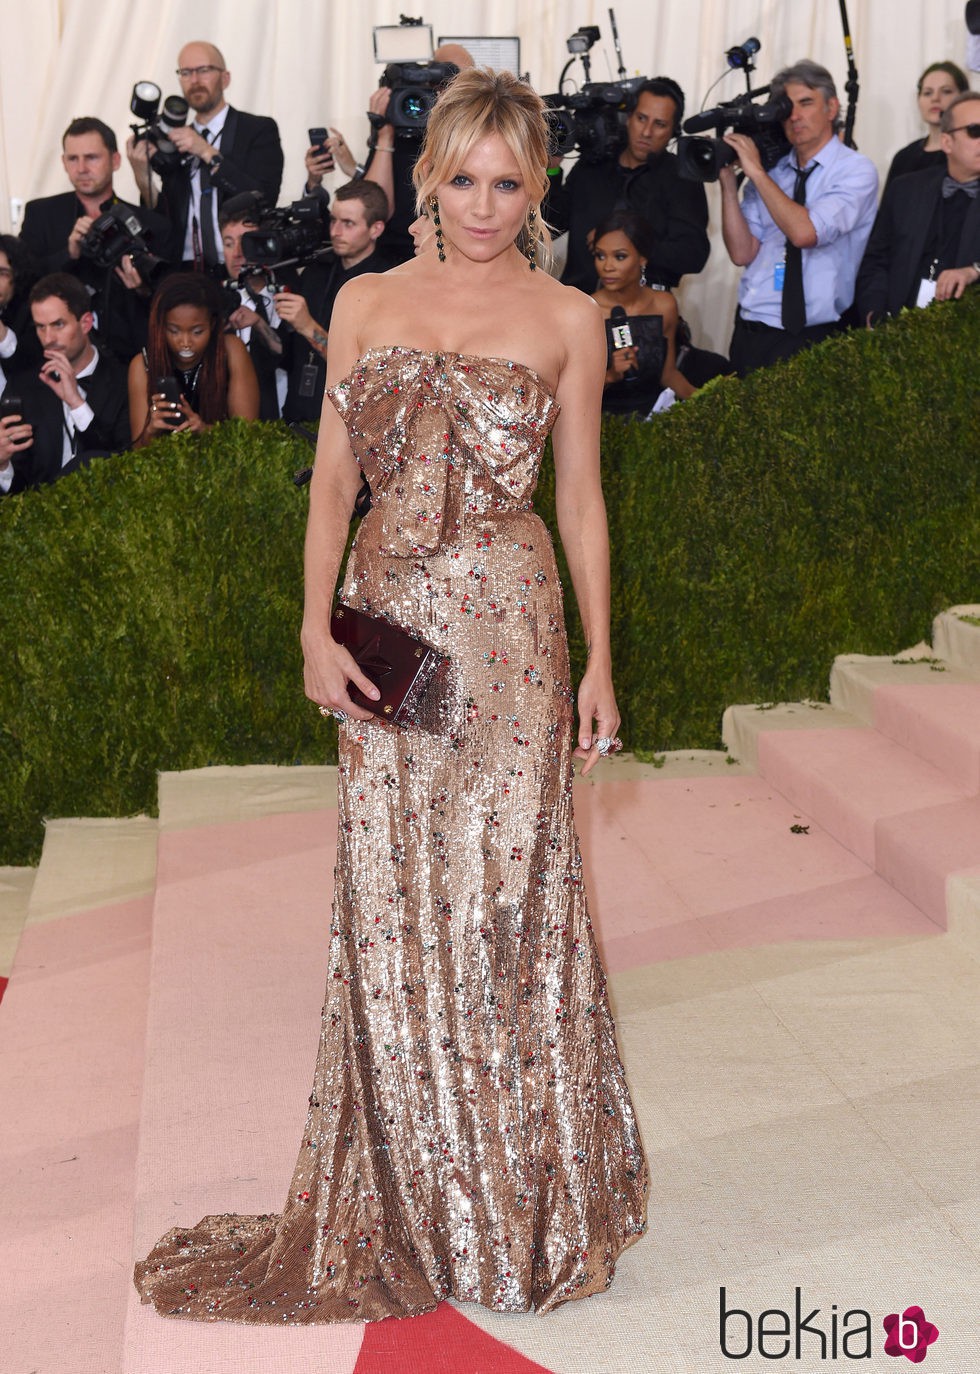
[{"x": 470, "y": 1132}]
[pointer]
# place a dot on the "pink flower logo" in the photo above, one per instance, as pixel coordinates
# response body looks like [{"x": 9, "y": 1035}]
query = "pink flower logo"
[{"x": 909, "y": 1334}]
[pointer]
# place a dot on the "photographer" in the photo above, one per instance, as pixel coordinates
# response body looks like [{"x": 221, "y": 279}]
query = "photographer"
[
  {"x": 357, "y": 221},
  {"x": 256, "y": 321},
  {"x": 55, "y": 230},
  {"x": 642, "y": 177},
  {"x": 391, "y": 160},
  {"x": 76, "y": 405},
  {"x": 800, "y": 230},
  {"x": 224, "y": 152}
]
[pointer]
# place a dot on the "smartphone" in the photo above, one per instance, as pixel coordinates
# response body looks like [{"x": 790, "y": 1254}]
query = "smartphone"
[
  {"x": 10, "y": 405},
  {"x": 318, "y": 140},
  {"x": 169, "y": 389}
]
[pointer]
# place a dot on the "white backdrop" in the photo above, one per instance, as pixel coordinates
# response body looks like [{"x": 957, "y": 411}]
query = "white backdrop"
[{"x": 310, "y": 62}]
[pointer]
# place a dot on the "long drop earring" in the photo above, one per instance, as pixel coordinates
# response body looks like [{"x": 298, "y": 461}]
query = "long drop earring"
[
  {"x": 437, "y": 222},
  {"x": 643, "y": 275},
  {"x": 532, "y": 236}
]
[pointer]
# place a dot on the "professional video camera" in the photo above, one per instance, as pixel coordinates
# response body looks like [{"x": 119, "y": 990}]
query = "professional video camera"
[
  {"x": 592, "y": 119},
  {"x": 414, "y": 86},
  {"x": 701, "y": 159},
  {"x": 116, "y": 232},
  {"x": 290, "y": 235},
  {"x": 155, "y": 124}
]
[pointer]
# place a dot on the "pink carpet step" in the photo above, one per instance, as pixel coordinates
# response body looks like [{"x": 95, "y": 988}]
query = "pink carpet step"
[
  {"x": 850, "y": 780},
  {"x": 929, "y": 707},
  {"x": 939, "y": 723},
  {"x": 919, "y": 851}
]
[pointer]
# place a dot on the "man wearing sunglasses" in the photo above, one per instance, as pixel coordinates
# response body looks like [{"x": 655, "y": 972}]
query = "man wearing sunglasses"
[
  {"x": 225, "y": 152},
  {"x": 925, "y": 244}
]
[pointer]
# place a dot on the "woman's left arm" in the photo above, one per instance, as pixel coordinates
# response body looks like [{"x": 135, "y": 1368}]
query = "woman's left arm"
[
  {"x": 582, "y": 516},
  {"x": 243, "y": 386}
]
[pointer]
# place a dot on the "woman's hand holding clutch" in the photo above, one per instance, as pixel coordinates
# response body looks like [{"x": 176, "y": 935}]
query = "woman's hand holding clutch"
[{"x": 329, "y": 667}]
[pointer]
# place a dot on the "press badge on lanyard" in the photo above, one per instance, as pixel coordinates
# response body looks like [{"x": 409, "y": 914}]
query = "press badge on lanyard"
[
  {"x": 927, "y": 286},
  {"x": 779, "y": 275}
]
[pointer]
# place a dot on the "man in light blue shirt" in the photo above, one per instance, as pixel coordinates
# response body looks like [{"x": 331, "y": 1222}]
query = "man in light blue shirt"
[{"x": 799, "y": 230}]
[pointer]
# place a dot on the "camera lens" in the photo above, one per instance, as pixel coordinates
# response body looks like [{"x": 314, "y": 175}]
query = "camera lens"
[{"x": 415, "y": 107}]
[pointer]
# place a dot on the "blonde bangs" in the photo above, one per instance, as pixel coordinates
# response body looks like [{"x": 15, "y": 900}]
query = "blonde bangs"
[{"x": 478, "y": 102}]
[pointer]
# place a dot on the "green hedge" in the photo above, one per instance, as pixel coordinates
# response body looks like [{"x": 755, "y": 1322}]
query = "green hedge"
[{"x": 153, "y": 602}]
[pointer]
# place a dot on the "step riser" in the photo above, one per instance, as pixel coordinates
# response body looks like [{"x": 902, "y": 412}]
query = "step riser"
[{"x": 946, "y": 747}]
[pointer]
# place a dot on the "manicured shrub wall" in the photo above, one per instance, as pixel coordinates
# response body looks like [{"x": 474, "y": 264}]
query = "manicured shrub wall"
[{"x": 152, "y": 605}]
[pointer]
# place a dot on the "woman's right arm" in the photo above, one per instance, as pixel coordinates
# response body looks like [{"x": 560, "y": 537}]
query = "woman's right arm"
[
  {"x": 334, "y": 486},
  {"x": 139, "y": 405}
]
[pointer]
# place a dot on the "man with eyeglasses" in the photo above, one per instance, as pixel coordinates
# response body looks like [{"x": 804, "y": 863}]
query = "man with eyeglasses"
[
  {"x": 925, "y": 244},
  {"x": 225, "y": 152}
]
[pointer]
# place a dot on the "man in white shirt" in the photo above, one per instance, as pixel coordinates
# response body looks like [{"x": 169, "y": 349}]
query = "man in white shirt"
[
  {"x": 227, "y": 152},
  {"x": 77, "y": 405},
  {"x": 800, "y": 229}
]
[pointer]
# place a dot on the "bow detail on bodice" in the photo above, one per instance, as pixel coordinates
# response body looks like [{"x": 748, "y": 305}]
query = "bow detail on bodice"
[{"x": 440, "y": 436}]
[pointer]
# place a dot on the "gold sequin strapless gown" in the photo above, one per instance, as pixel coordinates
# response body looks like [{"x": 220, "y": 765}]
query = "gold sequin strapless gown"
[{"x": 470, "y": 1132}]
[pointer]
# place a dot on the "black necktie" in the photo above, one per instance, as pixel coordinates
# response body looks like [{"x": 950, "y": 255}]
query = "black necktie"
[
  {"x": 794, "y": 306},
  {"x": 209, "y": 247}
]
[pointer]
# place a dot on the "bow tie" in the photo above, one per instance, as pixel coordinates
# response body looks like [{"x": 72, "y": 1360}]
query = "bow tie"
[{"x": 950, "y": 187}]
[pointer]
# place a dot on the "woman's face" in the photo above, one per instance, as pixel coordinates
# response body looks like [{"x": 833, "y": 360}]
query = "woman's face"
[
  {"x": 484, "y": 206},
  {"x": 617, "y": 263},
  {"x": 6, "y": 280},
  {"x": 421, "y": 230},
  {"x": 938, "y": 89},
  {"x": 188, "y": 332}
]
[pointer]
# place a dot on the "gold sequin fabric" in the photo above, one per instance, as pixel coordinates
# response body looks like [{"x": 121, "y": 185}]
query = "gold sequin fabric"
[{"x": 470, "y": 1132}]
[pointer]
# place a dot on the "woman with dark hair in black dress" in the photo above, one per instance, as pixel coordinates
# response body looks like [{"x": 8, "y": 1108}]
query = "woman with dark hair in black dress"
[
  {"x": 637, "y": 373},
  {"x": 938, "y": 84}
]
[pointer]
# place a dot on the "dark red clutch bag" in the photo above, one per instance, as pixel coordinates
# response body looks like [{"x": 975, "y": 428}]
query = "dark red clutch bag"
[{"x": 402, "y": 667}]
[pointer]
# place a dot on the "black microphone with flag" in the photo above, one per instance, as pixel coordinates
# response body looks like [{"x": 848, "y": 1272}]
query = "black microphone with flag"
[{"x": 622, "y": 337}]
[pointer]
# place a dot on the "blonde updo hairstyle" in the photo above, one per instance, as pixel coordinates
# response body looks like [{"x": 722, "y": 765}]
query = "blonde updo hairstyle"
[{"x": 478, "y": 102}]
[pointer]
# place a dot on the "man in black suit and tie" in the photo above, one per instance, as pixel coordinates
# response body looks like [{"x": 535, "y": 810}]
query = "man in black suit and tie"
[
  {"x": 925, "y": 244},
  {"x": 55, "y": 227},
  {"x": 77, "y": 406},
  {"x": 227, "y": 152}
]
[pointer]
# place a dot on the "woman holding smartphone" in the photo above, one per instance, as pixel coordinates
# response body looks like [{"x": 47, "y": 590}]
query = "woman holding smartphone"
[{"x": 192, "y": 373}]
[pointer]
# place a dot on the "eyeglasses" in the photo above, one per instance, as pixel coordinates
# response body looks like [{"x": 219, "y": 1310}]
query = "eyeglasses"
[
  {"x": 971, "y": 130},
  {"x": 185, "y": 73}
]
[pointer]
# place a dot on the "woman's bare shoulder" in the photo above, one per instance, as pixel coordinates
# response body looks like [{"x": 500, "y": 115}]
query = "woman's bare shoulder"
[
  {"x": 236, "y": 350},
  {"x": 572, "y": 311},
  {"x": 362, "y": 298}
]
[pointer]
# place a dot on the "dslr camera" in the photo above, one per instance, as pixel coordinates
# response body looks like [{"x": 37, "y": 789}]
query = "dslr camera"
[
  {"x": 155, "y": 124},
  {"x": 116, "y": 232},
  {"x": 701, "y": 159}
]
